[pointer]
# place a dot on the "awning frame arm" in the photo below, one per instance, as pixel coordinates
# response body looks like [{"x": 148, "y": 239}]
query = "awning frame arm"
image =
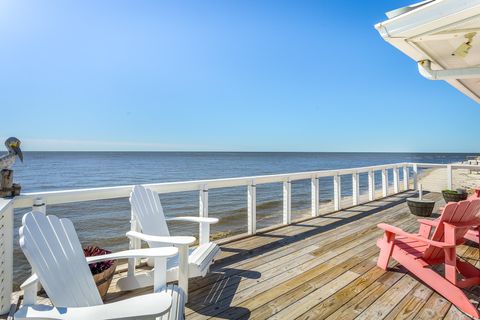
[{"x": 425, "y": 69}]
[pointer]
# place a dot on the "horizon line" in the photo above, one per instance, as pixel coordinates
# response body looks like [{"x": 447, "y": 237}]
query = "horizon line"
[{"x": 247, "y": 151}]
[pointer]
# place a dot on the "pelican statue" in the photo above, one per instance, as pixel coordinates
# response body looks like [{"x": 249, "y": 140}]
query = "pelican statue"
[{"x": 13, "y": 147}]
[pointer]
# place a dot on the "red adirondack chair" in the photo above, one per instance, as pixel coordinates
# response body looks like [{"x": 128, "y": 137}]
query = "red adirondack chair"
[
  {"x": 419, "y": 252},
  {"x": 474, "y": 233}
]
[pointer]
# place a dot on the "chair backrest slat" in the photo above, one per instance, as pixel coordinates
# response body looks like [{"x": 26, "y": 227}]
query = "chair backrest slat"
[
  {"x": 52, "y": 248},
  {"x": 463, "y": 211},
  {"x": 148, "y": 210}
]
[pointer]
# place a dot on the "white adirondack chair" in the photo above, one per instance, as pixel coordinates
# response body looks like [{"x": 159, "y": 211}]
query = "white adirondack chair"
[
  {"x": 148, "y": 211},
  {"x": 52, "y": 248}
]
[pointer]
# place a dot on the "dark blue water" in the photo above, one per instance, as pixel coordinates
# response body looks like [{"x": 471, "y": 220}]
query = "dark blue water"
[{"x": 104, "y": 223}]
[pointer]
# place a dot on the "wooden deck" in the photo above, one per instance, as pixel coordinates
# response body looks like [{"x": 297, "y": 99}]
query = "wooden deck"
[{"x": 322, "y": 268}]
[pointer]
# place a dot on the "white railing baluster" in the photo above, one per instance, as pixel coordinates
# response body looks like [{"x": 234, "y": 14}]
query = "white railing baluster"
[
  {"x": 252, "y": 208},
  {"x": 371, "y": 185},
  {"x": 396, "y": 180},
  {"x": 6, "y": 266},
  {"x": 355, "y": 188},
  {"x": 384, "y": 182},
  {"x": 415, "y": 176},
  {"x": 449, "y": 177},
  {"x": 204, "y": 229},
  {"x": 337, "y": 192},
  {"x": 405, "y": 178},
  {"x": 287, "y": 202},
  {"x": 315, "y": 196}
]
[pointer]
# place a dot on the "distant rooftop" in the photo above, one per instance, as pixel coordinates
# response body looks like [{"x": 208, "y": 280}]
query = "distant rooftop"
[{"x": 443, "y": 36}]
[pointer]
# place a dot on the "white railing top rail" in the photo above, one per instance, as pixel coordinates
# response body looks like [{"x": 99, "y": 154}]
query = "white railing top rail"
[
  {"x": 5, "y": 204},
  {"x": 445, "y": 165},
  {"x": 103, "y": 193},
  {"x": 430, "y": 165}
]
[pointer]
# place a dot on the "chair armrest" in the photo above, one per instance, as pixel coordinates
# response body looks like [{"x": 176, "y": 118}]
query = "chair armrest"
[
  {"x": 174, "y": 240},
  {"x": 463, "y": 225},
  {"x": 138, "y": 253},
  {"x": 153, "y": 305},
  {"x": 400, "y": 232},
  {"x": 194, "y": 219}
]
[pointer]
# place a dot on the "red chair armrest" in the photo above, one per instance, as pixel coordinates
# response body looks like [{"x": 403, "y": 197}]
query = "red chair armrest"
[{"x": 400, "y": 232}]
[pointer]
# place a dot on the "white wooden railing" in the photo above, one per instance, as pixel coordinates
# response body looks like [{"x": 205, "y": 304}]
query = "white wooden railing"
[{"x": 203, "y": 186}]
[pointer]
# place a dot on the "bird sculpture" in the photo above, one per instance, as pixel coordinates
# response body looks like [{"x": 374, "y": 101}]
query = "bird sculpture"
[{"x": 14, "y": 151}]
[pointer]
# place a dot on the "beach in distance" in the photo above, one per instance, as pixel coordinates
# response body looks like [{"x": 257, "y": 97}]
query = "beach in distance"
[{"x": 104, "y": 222}]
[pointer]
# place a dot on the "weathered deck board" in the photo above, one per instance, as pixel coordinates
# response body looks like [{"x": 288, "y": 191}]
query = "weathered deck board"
[{"x": 322, "y": 268}]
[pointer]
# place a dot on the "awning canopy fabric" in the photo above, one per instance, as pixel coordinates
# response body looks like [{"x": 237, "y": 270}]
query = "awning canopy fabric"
[{"x": 440, "y": 35}]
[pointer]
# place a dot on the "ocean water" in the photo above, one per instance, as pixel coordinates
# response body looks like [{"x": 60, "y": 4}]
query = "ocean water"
[{"x": 104, "y": 223}]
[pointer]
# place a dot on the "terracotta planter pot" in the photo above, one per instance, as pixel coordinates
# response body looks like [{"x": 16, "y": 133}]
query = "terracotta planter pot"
[
  {"x": 421, "y": 208},
  {"x": 103, "y": 280},
  {"x": 454, "y": 197}
]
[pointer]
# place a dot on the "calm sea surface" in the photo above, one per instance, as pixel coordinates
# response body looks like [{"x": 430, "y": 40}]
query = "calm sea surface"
[{"x": 104, "y": 223}]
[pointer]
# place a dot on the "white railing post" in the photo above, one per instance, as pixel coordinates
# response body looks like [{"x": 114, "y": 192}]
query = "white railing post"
[
  {"x": 287, "y": 202},
  {"x": 337, "y": 192},
  {"x": 371, "y": 185},
  {"x": 315, "y": 196},
  {"x": 415, "y": 176},
  {"x": 39, "y": 206},
  {"x": 204, "y": 228},
  {"x": 355, "y": 188},
  {"x": 396, "y": 180},
  {"x": 384, "y": 182},
  {"x": 252, "y": 208},
  {"x": 405, "y": 178},
  {"x": 449, "y": 177},
  {"x": 6, "y": 266}
]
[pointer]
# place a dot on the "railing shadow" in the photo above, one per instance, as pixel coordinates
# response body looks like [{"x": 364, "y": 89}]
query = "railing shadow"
[
  {"x": 284, "y": 240},
  {"x": 221, "y": 294}
]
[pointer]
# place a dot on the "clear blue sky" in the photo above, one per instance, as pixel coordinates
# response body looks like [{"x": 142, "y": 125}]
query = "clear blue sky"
[{"x": 219, "y": 75}]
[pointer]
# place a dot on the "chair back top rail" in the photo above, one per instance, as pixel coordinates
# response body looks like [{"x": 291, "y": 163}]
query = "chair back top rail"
[{"x": 103, "y": 193}]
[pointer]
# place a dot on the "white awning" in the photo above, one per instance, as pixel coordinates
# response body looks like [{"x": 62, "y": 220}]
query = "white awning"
[{"x": 443, "y": 37}]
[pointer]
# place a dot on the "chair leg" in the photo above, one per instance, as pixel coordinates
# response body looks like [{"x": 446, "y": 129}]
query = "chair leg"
[
  {"x": 451, "y": 265},
  {"x": 183, "y": 269},
  {"x": 386, "y": 247}
]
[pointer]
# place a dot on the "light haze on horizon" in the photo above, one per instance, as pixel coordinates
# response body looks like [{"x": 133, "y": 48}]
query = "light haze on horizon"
[{"x": 219, "y": 76}]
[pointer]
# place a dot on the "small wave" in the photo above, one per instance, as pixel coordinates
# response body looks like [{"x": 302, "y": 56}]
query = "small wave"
[{"x": 269, "y": 204}]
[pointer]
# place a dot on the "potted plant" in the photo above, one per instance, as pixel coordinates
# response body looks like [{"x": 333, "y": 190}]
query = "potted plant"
[
  {"x": 454, "y": 195},
  {"x": 102, "y": 271},
  {"x": 419, "y": 207}
]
